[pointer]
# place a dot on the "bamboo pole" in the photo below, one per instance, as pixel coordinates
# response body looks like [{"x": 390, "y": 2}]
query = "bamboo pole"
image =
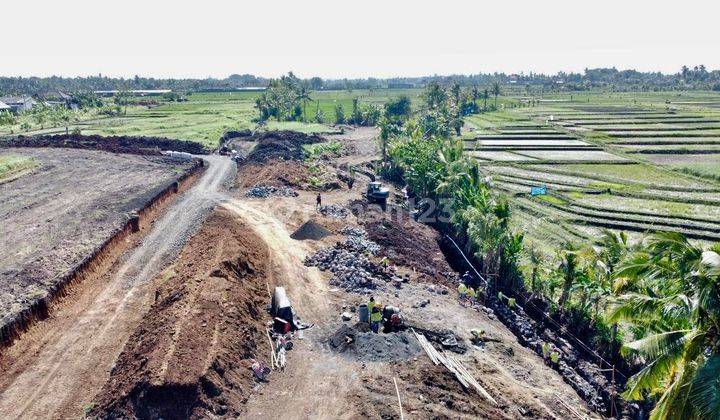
[
  {"x": 272, "y": 350},
  {"x": 397, "y": 391}
]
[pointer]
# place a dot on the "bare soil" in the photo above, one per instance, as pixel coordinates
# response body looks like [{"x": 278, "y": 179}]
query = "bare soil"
[
  {"x": 276, "y": 172},
  {"x": 115, "y": 144},
  {"x": 406, "y": 242},
  {"x": 58, "y": 366},
  {"x": 190, "y": 355},
  {"x": 64, "y": 210}
]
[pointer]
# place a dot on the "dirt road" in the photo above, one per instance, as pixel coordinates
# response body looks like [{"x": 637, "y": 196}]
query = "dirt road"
[
  {"x": 58, "y": 367},
  {"x": 309, "y": 387}
]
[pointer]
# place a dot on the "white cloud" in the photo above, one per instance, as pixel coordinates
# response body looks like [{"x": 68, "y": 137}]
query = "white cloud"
[{"x": 350, "y": 38}]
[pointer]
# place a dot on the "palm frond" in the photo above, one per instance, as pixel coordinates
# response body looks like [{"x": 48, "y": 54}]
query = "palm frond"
[
  {"x": 705, "y": 389},
  {"x": 658, "y": 345}
]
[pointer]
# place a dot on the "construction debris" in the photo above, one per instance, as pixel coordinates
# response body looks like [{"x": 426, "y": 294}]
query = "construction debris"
[
  {"x": 453, "y": 365},
  {"x": 335, "y": 211},
  {"x": 265, "y": 191}
]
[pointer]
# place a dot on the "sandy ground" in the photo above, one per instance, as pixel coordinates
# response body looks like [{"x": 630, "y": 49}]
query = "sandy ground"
[
  {"x": 58, "y": 367},
  {"x": 55, "y": 216}
]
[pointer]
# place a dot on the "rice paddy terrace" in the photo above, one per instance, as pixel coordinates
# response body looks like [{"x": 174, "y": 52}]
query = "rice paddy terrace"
[{"x": 637, "y": 168}]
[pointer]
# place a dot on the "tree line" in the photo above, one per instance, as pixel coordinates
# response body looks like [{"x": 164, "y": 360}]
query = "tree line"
[{"x": 687, "y": 78}]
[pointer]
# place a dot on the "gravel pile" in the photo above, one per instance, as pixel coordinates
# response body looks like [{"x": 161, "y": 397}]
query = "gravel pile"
[
  {"x": 348, "y": 261},
  {"x": 265, "y": 191},
  {"x": 357, "y": 240},
  {"x": 356, "y": 341},
  {"x": 351, "y": 269},
  {"x": 335, "y": 211}
]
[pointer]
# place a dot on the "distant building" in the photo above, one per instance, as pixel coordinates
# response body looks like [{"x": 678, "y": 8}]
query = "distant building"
[
  {"x": 4, "y": 107},
  {"x": 59, "y": 98},
  {"x": 18, "y": 104},
  {"x": 136, "y": 92}
]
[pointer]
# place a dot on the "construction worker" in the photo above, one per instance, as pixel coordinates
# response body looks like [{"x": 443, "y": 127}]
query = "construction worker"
[
  {"x": 375, "y": 318},
  {"x": 545, "y": 350},
  {"x": 370, "y": 305},
  {"x": 472, "y": 294},
  {"x": 555, "y": 357},
  {"x": 462, "y": 291}
]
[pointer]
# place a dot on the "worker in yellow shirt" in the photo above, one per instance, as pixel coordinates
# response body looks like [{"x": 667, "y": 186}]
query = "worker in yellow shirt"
[
  {"x": 462, "y": 291},
  {"x": 472, "y": 294},
  {"x": 375, "y": 318},
  {"x": 555, "y": 357}
]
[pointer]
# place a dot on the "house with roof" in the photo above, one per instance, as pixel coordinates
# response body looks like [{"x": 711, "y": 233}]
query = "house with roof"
[
  {"x": 18, "y": 104},
  {"x": 4, "y": 107}
]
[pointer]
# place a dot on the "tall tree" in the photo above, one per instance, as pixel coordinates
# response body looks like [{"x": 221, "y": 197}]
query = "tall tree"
[
  {"x": 569, "y": 269},
  {"x": 303, "y": 95},
  {"x": 496, "y": 92}
]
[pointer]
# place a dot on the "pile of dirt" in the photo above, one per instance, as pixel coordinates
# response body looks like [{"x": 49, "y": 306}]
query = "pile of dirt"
[
  {"x": 407, "y": 243},
  {"x": 287, "y": 145},
  {"x": 116, "y": 144},
  {"x": 235, "y": 134},
  {"x": 310, "y": 230},
  {"x": 190, "y": 356},
  {"x": 360, "y": 343},
  {"x": 278, "y": 172}
]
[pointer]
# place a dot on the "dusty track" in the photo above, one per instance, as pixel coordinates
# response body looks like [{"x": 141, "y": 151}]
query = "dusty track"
[
  {"x": 58, "y": 368},
  {"x": 315, "y": 383}
]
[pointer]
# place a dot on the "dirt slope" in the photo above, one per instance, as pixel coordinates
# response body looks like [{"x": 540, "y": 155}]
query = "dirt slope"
[
  {"x": 189, "y": 356},
  {"x": 53, "y": 371}
]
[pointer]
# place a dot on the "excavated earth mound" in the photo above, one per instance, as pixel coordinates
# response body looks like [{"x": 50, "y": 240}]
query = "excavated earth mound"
[
  {"x": 405, "y": 242},
  {"x": 190, "y": 356},
  {"x": 276, "y": 172},
  {"x": 286, "y": 145},
  {"x": 116, "y": 144}
]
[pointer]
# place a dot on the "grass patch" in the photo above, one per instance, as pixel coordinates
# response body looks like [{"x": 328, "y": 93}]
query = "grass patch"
[
  {"x": 12, "y": 164},
  {"x": 319, "y": 150}
]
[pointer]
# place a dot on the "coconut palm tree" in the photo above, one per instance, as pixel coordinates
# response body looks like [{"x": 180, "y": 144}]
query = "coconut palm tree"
[
  {"x": 303, "y": 95},
  {"x": 496, "y": 92},
  {"x": 569, "y": 269},
  {"x": 485, "y": 96},
  {"x": 673, "y": 297}
]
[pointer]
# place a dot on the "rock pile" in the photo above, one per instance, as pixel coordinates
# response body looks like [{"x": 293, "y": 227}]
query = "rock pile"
[
  {"x": 357, "y": 240},
  {"x": 351, "y": 270},
  {"x": 587, "y": 380},
  {"x": 348, "y": 261},
  {"x": 335, "y": 211},
  {"x": 265, "y": 191}
]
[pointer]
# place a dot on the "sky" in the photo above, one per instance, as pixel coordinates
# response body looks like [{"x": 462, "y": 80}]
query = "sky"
[{"x": 359, "y": 38}]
